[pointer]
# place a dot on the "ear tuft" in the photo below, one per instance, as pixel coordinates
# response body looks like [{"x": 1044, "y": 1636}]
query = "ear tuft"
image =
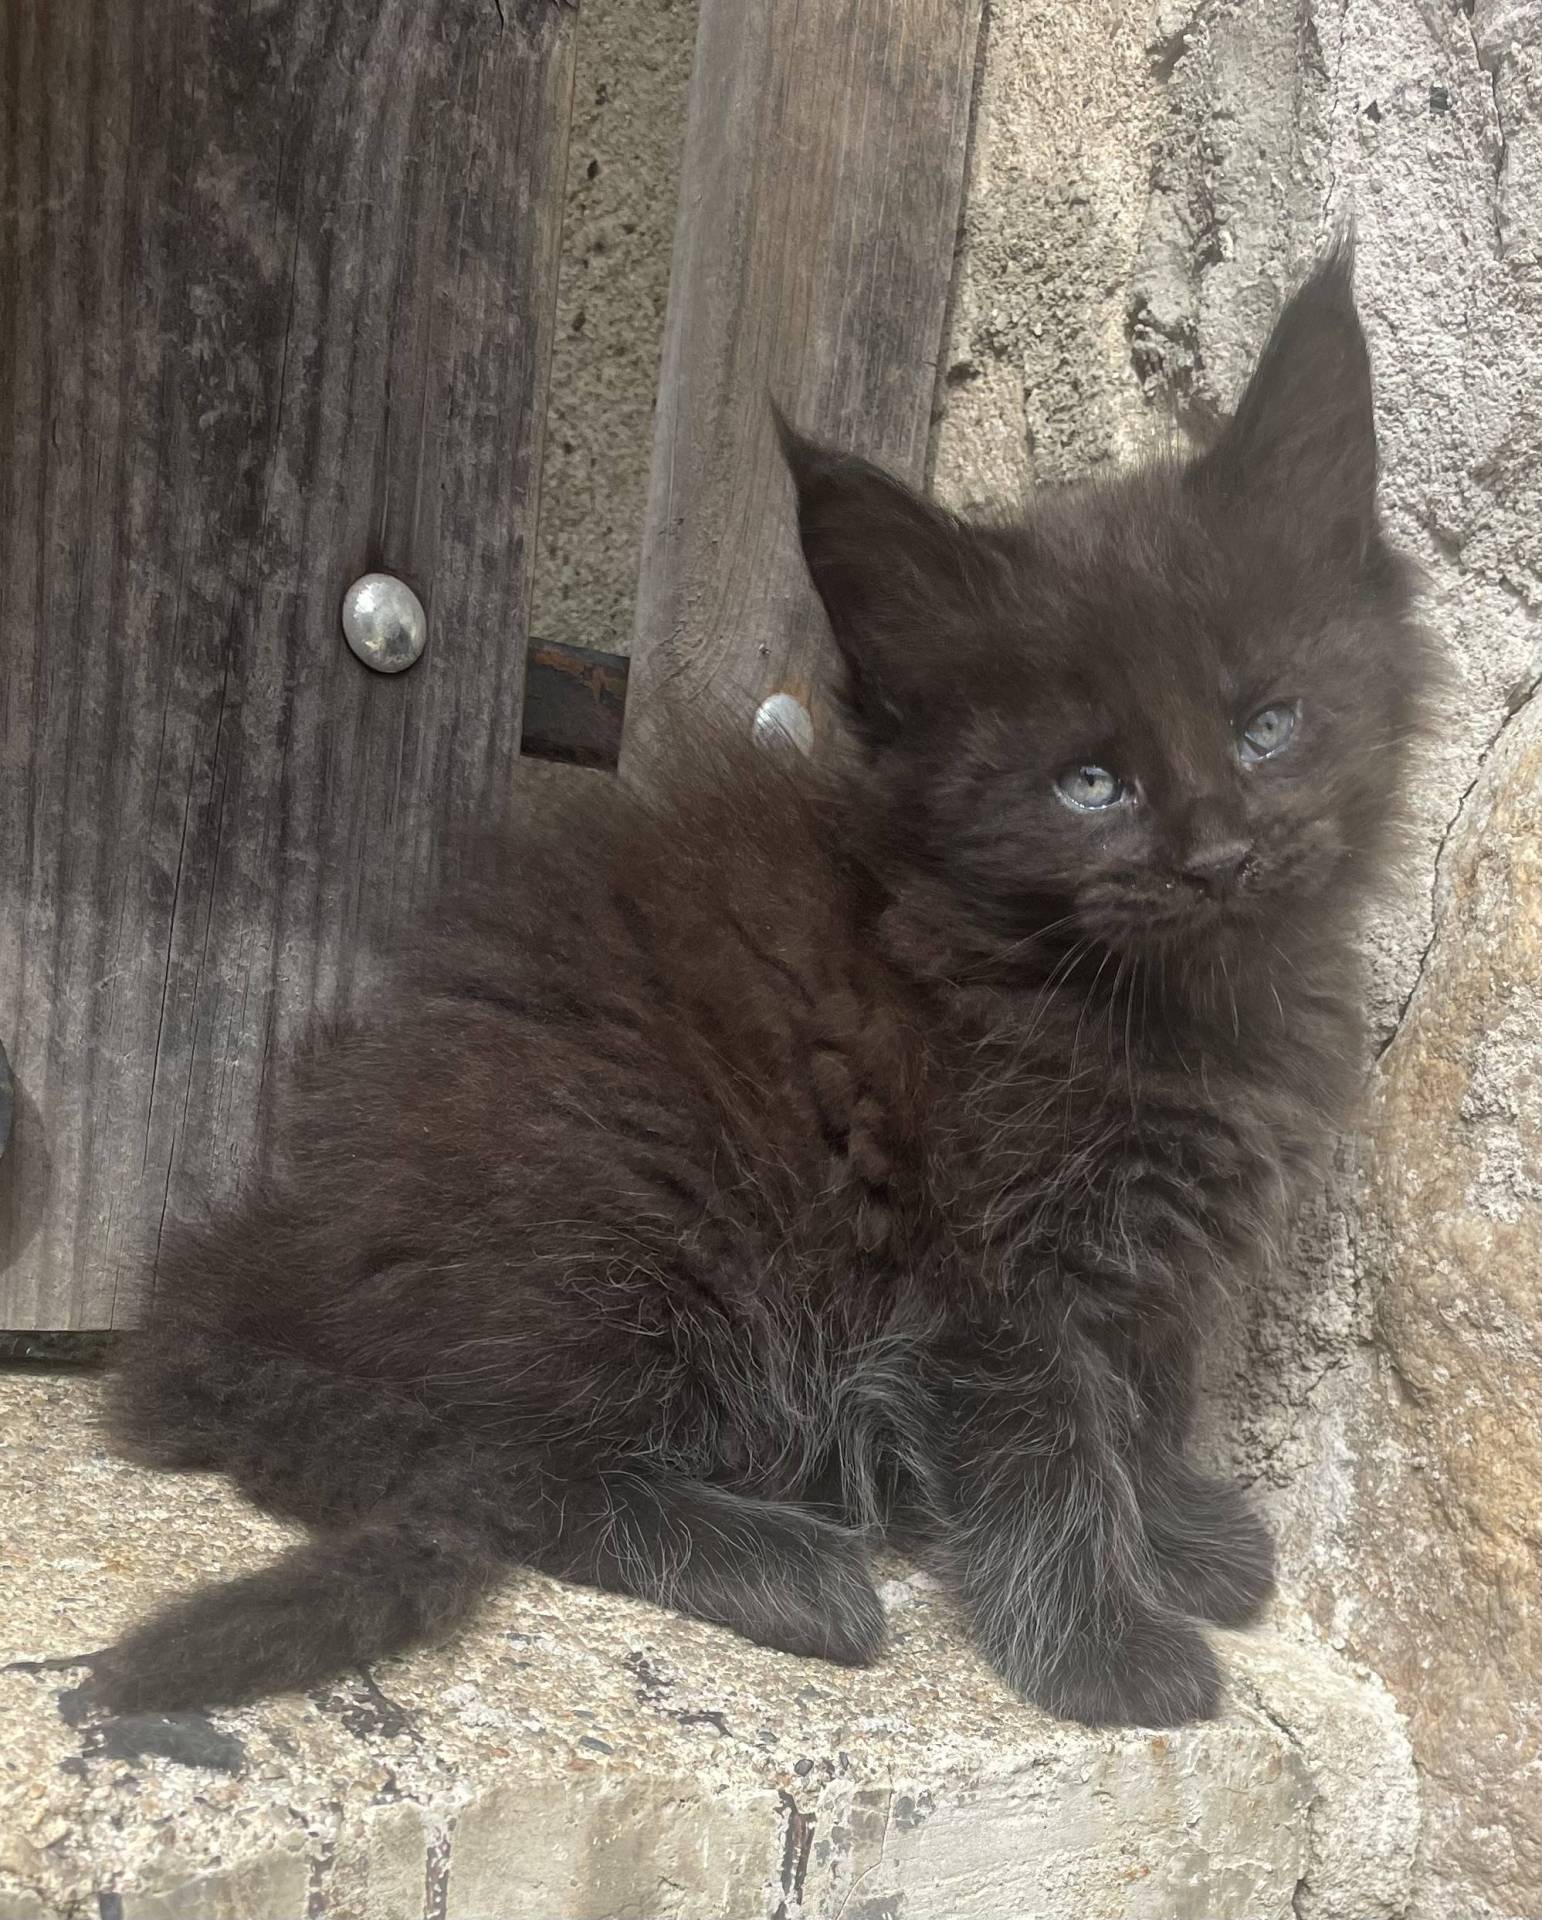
[
  {"x": 1304, "y": 429},
  {"x": 892, "y": 569}
]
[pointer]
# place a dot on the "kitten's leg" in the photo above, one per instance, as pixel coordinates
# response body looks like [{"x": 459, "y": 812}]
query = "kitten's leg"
[
  {"x": 776, "y": 1574},
  {"x": 317, "y": 1446},
  {"x": 1214, "y": 1556},
  {"x": 414, "y": 1569},
  {"x": 1048, "y": 1549}
]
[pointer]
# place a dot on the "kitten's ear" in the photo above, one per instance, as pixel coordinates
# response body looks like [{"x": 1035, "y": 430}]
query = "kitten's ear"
[
  {"x": 1304, "y": 429},
  {"x": 893, "y": 570}
]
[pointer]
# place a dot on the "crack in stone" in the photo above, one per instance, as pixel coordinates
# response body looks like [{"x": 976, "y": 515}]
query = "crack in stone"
[
  {"x": 1172, "y": 40},
  {"x": 883, "y": 1847},
  {"x": 1334, "y": 82},
  {"x": 318, "y": 1896},
  {"x": 436, "y": 1876},
  {"x": 798, "y": 1844},
  {"x": 1490, "y": 61},
  {"x": 1513, "y": 711},
  {"x": 1303, "y": 1884}
]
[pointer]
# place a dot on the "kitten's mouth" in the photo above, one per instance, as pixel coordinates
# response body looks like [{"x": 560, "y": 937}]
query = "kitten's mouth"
[{"x": 1177, "y": 915}]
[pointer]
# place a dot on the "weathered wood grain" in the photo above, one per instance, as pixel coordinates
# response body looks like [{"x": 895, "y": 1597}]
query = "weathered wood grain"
[
  {"x": 819, "y": 212},
  {"x": 275, "y": 308}
]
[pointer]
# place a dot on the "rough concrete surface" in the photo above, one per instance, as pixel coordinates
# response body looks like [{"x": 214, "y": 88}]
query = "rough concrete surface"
[{"x": 579, "y": 1757}]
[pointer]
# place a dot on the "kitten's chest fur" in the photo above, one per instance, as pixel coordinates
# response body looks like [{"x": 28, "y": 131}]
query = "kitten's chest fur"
[
  {"x": 930, "y": 1170},
  {"x": 1109, "y": 1139},
  {"x": 901, "y": 1140}
]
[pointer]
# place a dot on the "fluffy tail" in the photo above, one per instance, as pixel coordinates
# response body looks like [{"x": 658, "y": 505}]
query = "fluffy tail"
[{"x": 406, "y": 1576}]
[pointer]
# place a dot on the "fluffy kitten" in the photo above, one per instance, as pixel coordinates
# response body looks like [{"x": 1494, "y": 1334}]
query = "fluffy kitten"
[{"x": 793, "y": 1157}]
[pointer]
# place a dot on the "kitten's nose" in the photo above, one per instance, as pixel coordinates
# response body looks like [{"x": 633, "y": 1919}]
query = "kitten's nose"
[{"x": 1216, "y": 864}]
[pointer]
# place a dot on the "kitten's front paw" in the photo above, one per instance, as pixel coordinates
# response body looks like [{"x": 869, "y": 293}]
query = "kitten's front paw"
[
  {"x": 1159, "y": 1673},
  {"x": 855, "y": 1636},
  {"x": 834, "y": 1612},
  {"x": 1214, "y": 1556},
  {"x": 816, "y": 1600}
]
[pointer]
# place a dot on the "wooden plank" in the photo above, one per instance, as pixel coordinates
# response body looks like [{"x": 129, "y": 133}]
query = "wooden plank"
[
  {"x": 819, "y": 213},
  {"x": 276, "y": 309}
]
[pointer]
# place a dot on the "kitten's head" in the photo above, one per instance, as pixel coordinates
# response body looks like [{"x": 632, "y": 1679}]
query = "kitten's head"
[{"x": 1164, "y": 707}]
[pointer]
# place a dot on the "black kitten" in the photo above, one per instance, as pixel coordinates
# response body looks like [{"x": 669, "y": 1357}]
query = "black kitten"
[{"x": 796, "y": 1157}]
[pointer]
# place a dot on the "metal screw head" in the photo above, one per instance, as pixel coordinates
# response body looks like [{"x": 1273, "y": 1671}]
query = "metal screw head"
[
  {"x": 384, "y": 622},
  {"x": 783, "y": 721}
]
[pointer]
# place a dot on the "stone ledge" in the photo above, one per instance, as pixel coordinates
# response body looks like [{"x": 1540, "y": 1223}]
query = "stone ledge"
[{"x": 579, "y": 1757}]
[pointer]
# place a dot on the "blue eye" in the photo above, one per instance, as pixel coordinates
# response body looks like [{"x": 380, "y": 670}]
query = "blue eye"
[
  {"x": 1089, "y": 789},
  {"x": 1267, "y": 733}
]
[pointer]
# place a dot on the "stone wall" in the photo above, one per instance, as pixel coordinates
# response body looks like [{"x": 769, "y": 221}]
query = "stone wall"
[{"x": 1147, "y": 180}]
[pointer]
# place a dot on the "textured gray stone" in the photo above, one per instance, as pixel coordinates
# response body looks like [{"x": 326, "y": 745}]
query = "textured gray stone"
[
  {"x": 382, "y": 1860},
  {"x": 583, "y": 1757}
]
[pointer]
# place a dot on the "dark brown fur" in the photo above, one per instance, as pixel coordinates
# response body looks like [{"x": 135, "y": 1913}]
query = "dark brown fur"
[{"x": 800, "y": 1157}]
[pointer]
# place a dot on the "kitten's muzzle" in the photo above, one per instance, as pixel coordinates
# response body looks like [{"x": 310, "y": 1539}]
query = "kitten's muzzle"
[{"x": 1218, "y": 866}]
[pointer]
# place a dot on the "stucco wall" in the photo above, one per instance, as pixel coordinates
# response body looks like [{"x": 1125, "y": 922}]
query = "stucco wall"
[
  {"x": 633, "y": 68},
  {"x": 1147, "y": 179}
]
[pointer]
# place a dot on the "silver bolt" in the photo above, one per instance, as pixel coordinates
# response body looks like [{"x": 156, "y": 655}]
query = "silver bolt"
[
  {"x": 783, "y": 721},
  {"x": 384, "y": 622}
]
